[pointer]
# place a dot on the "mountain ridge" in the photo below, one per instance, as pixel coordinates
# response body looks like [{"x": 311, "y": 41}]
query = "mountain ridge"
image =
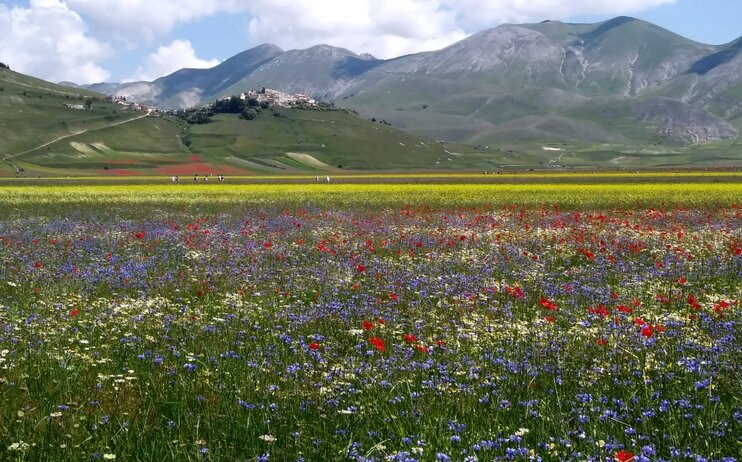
[{"x": 497, "y": 76}]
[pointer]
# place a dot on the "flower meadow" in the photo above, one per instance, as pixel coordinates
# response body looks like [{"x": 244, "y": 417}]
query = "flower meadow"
[{"x": 395, "y": 333}]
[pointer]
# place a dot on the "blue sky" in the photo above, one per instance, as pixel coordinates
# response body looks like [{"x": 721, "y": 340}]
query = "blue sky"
[{"x": 118, "y": 40}]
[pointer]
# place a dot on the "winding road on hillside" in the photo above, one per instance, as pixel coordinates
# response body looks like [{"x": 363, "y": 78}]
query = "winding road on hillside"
[{"x": 79, "y": 132}]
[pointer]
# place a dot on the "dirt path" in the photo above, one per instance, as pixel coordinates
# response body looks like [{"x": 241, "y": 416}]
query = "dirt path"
[{"x": 79, "y": 132}]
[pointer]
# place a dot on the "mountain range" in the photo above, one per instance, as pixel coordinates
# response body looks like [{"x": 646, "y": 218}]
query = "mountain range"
[{"x": 623, "y": 81}]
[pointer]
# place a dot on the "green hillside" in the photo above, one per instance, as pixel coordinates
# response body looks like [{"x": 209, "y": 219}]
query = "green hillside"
[
  {"x": 41, "y": 135},
  {"x": 51, "y": 129},
  {"x": 34, "y": 112},
  {"x": 299, "y": 140}
]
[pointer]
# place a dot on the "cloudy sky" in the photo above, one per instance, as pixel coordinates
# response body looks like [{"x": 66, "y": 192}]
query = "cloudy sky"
[{"x": 87, "y": 41}]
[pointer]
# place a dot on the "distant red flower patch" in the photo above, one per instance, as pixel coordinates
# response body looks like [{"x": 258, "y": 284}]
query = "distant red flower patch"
[
  {"x": 187, "y": 169},
  {"x": 624, "y": 456}
]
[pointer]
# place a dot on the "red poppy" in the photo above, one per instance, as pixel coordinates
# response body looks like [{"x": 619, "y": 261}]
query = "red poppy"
[
  {"x": 361, "y": 268},
  {"x": 74, "y": 312},
  {"x": 647, "y": 331},
  {"x": 410, "y": 338},
  {"x": 601, "y": 310},
  {"x": 601, "y": 341},
  {"x": 367, "y": 325},
  {"x": 682, "y": 280},
  {"x": 639, "y": 321},
  {"x": 394, "y": 297},
  {"x": 516, "y": 292},
  {"x": 548, "y": 304},
  {"x": 624, "y": 456},
  {"x": 440, "y": 343},
  {"x": 550, "y": 319},
  {"x": 139, "y": 235},
  {"x": 378, "y": 343},
  {"x": 624, "y": 309},
  {"x": 38, "y": 265},
  {"x": 693, "y": 302},
  {"x": 314, "y": 346},
  {"x": 422, "y": 349}
]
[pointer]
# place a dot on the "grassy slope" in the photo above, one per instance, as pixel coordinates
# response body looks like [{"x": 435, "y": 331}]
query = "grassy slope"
[
  {"x": 334, "y": 138},
  {"x": 33, "y": 113},
  {"x": 139, "y": 145}
]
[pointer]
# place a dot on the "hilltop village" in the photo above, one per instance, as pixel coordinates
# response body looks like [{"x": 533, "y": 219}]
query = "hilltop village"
[{"x": 278, "y": 98}]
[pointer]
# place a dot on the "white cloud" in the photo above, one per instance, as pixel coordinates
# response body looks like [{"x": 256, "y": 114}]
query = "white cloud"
[
  {"x": 49, "y": 40},
  {"x": 388, "y": 28},
  {"x": 479, "y": 14},
  {"x": 142, "y": 21},
  {"x": 68, "y": 39},
  {"x": 385, "y": 28},
  {"x": 170, "y": 58}
]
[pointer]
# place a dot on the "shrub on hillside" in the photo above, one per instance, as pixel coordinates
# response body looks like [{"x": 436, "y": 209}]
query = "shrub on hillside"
[
  {"x": 233, "y": 105},
  {"x": 249, "y": 114}
]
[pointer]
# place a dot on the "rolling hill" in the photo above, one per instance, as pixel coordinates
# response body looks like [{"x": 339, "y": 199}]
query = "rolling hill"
[{"x": 46, "y": 130}]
